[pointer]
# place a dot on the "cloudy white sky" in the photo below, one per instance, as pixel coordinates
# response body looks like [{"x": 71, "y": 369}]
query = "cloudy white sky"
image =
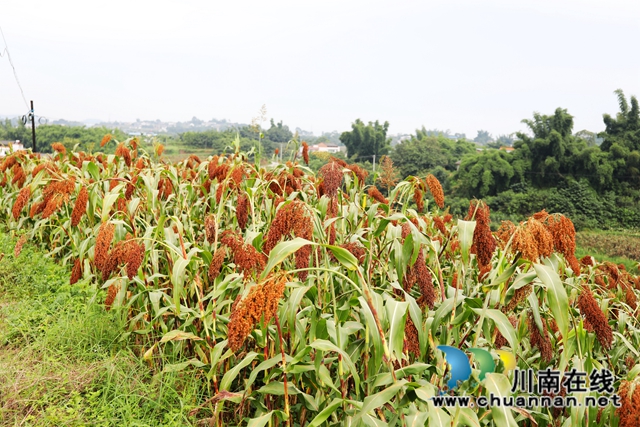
[{"x": 461, "y": 65}]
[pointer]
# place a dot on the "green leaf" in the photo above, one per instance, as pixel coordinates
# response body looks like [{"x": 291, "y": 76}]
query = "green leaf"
[
  {"x": 282, "y": 251},
  {"x": 177, "y": 335},
  {"x": 276, "y": 388},
  {"x": 231, "y": 374},
  {"x": 343, "y": 256},
  {"x": 465, "y": 236},
  {"x": 93, "y": 170},
  {"x": 498, "y": 385},
  {"x": 261, "y": 421},
  {"x": 377, "y": 400},
  {"x": 107, "y": 202},
  {"x": 437, "y": 416},
  {"x": 556, "y": 296},
  {"x": 325, "y": 345},
  {"x": 502, "y": 323},
  {"x": 396, "y": 312},
  {"x": 177, "y": 278},
  {"x": 176, "y": 367},
  {"x": 326, "y": 413}
]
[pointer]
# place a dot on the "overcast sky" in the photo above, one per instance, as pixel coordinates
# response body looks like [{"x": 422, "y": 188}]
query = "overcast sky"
[{"x": 461, "y": 65}]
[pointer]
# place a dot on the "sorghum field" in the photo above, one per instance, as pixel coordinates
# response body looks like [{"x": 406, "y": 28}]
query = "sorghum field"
[{"x": 297, "y": 299}]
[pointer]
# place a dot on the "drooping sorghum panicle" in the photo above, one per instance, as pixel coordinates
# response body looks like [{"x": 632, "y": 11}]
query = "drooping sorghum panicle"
[
  {"x": 133, "y": 256},
  {"x": 505, "y": 231},
  {"x": 19, "y": 244},
  {"x": 80, "y": 207},
  {"x": 55, "y": 194},
  {"x": 216, "y": 263},
  {"x": 112, "y": 291},
  {"x": 165, "y": 188},
  {"x": 134, "y": 143},
  {"x": 519, "y": 295},
  {"x": 212, "y": 166},
  {"x": 236, "y": 176},
  {"x": 131, "y": 186},
  {"x": 436, "y": 190},
  {"x": 210, "y": 228},
  {"x": 4, "y": 180},
  {"x": 59, "y": 148},
  {"x": 245, "y": 256},
  {"x": 305, "y": 152},
  {"x": 564, "y": 239},
  {"x": 359, "y": 172},
  {"x": 377, "y": 195},
  {"x": 542, "y": 237},
  {"x": 612, "y": 272},
  {"x": 500, "y": 340},
  {"x": 103, "y": 242},
  {"x": 21, "y": 202},
  {"x": 539, "y": 339},
  {"x": 593, "y": 314},
  {"x": 541, "y": 216},
  {"x": 105, "y": 139},
  {"x": 242, "y": 210},
  {"x": 140, "y": 164},
  {"x": 417, "y": 197},
  {"x": 8, "y": 162},
  {"x": 629, "y": 411},
  {"x": 36, "y": 208},
  {"x": 587, "y": 261},
  {"x": 114, "y": 259},
  {"x": 356, "y": 249},
  {"x": 37, "y": 169},
  {"x": 123, "y": 151},
  {"x": 18, "y": 175},
  {"x": 411, "y": 340},
  {"x": 332, "y": 178},
  {"x": 630, "y": 298},
  {"x": 219, "y": 192},
  {"x": 484, "y": 244},
  {"x": 303, "y": 227},
  {"x": 159, "y": 150},
  {"x": 439, "y": 223},
  {"x": 262, "y": 300},
  {"x": 320, "y": 189},
  {"x": 76, "y": 272},
  {"x": 405, "y": 230},
  {"x": 284, "y": 222}
]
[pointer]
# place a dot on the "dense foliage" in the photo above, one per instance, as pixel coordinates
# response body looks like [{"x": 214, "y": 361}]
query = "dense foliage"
[{"x": 313, "y": 299}]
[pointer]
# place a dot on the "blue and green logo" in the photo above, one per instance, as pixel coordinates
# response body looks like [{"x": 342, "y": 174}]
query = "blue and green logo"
[{"x": 461, "y": 368}]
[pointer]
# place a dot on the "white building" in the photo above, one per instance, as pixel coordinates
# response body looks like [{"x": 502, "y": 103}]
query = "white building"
[
  {"x": 7, "y": 147},
  {"x": 324, "y": 148}
]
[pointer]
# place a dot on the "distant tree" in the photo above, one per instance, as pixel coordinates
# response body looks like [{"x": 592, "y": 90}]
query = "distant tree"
[
  {"x": 590, "y": 138},
  {"x": 421, "y": 154},
  {"x": 484, "y": 137},
  {"x": 505, "y": 140},
  {"x": 487, "y": 173},
  {"x": 278, "y": 132},
  {"x": 552, "y": 148},
  {"x": 366, "y": 140},
  {"x": 624, "y": 129}
]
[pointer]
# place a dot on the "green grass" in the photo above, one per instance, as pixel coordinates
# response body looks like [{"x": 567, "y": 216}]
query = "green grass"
[{"x": 63, "y": 361}]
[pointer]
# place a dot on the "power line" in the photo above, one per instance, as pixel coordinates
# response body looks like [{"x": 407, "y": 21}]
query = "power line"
[{"x": 6, "y": 50}]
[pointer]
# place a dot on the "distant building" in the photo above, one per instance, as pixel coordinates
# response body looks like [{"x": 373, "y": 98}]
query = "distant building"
[
  {"x": 7, "y": 147},
  {"x": 325, "y": 148},
  {"x": 507, "y": 149}
]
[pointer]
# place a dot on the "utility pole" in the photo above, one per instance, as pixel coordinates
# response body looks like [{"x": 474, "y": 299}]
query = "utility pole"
[
  {"x": 374, "y": 163},
  {"x": 33, "y": 127}
]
